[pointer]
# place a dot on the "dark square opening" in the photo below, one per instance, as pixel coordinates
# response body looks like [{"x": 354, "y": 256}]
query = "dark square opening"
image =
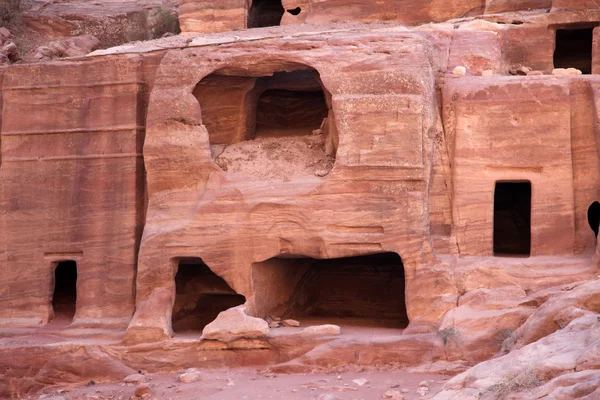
[
  {"x": 265, "y": 13},
  {"x": 64, "y": 297},
  {"x": 512, "y": 218},
  {"x": 574, "y": 49}
]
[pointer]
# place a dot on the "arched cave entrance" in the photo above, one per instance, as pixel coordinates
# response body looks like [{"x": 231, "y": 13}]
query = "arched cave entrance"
[
  {"x": 200, "y": 295},
  {"x": 263, "y": 13},
  {"x": 593, "y": 215},
  {"x": 363, "y": 291},
  {"x": 512, "y": 219},
  {"x": 270, "y": 127},
  {"x": 64, "y": 296},
  {"x": 573, "y": 48}
]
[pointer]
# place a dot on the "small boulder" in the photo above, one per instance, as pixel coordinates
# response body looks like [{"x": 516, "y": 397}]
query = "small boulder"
[
  {"x": 423, "y": 391},
  {"x": 234, "y": 324},
  {"x": 487, "y": 72},
  {"x": 460, "y": 70},
  {"x": 520, "y": 70},
  {"x": 393, "y": 394},
  {"x": 321, "y": 173},
  {"x": 291, "y": 322},
  {"x": 327, "y": 396},
  {"x": 360, "y": 381},
  {"x": 321, "y": 330},
  {"x": 135, "y": 379},
  {"x": 190, "y": 375},
  {"x": 566, "y": 71}
]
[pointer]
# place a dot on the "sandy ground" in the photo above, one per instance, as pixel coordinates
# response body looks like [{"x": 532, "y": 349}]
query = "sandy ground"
[{"x": 241, "y": 384}]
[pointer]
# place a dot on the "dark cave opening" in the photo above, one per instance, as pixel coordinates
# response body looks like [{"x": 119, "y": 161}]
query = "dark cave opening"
[
  {"x": 265, "y": 13},
  {"x": 574, "y": 49},
  {"x": 64, "y": 298},
  {"x": 364, "y": 291},
  {"x": 200, "y": 295},
  {"x": 593, "y": 215},
  {"x": 512, "y": 218}
]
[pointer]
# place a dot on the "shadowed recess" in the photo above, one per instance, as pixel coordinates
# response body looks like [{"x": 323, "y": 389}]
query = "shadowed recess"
[
  {"x": 360, "y": 291},
  {"x": 574, "y": 49},
  {"x": 593, "y": 215},
  {"x": 64, "y": 298},
  {"x": 265, "y": 13},
  {"x": 200, "y": 295},
  {"x": 512, "y": 218}
]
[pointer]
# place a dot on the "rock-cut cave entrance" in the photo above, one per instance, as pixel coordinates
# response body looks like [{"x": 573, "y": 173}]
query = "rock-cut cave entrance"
[
  {"x": 574, "y": 49},
  {"x": 64, "y": 297},
  {"x": 200, "y": 295},
  {"x": 271, "y": 127},
  {"x": 512, "y": 219},
  {"x": 362, "y": 291},
  {"x": 263, "y": 13},
  {"x": 593, "y": 215}
]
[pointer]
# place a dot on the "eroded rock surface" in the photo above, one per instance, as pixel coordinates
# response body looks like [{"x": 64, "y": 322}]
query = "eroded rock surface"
[{"x": 414, "y": 196}]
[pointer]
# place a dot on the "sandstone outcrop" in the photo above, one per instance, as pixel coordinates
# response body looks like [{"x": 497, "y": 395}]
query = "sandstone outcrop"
[
  {"x": 556, "y": 362},
  {"x": 359, "y": 186}
]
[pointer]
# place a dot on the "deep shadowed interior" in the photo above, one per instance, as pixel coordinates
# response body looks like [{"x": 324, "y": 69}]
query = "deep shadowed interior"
[
  {"x": 512, "y": 218},
  {"x": 273, "y": 127},
  {"x": 574, "y": 49},
  {"x": 64, "y": 298},
  {"x": 237, "y": 108},
  {"x": 200, "y": 295},
  {"x": 361, "y": 291},
  {"x": 265, "y": 13},
  {"x": 593, "y": 215},
  {"x": 282, "y": 112}
]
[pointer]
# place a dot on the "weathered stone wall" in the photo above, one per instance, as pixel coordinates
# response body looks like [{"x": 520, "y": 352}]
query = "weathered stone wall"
[
  {"x": 217, "y": 16},
  {"x": 73, "y": 185},
  {"x": 384, "y": 112}
]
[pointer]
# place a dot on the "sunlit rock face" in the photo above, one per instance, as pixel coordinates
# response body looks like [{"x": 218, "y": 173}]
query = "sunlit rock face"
[{"x": 306, "y": 185}]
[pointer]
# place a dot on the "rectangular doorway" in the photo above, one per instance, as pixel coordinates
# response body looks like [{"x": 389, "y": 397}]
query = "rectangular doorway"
[
  {"x": 574, "y": 49},
  {"x": 64, "y": 297},
  {"x": 512, "y": 219}
]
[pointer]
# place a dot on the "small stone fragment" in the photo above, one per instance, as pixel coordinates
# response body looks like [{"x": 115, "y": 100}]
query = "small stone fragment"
[
  {"x": 487, "y": 72},
  {"x": 360, "y": 381},
  {"x": 423, "y": 391},
  {"x": 142, "y": 390},
  {"x": 327, "y": 396},
  {"x": 393, "y": 394},
  {"x": 191, "y": 375},
  {"x": 135, "y": 379},
  {"x": 535, "y": 73},
  {"x": 274, "y": 324},
  {"x": 321, "y": 173},
  {"x": 291, "y": 322},
  {"x": 424, "y": 384},
  {"x": 460, "y": 70},
  {"x": 405, "y": 390},
  {"x": 321, "y": 330}
]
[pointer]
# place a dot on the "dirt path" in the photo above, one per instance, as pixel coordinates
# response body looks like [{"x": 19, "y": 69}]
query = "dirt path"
[{"x": 242, "y": 384}]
